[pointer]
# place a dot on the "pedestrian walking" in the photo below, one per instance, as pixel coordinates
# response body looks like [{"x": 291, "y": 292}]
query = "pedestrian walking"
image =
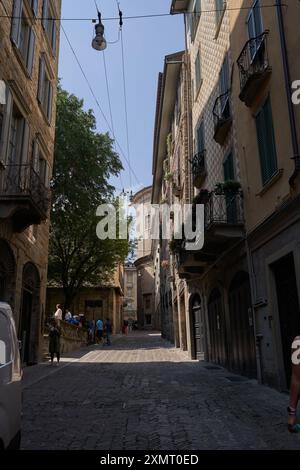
[
  {"x": 99, "y": 330},
  {"x": 108, "y": 331},
  {"x": 293, "y": 426},
  {"x": 54, "y": 341}
]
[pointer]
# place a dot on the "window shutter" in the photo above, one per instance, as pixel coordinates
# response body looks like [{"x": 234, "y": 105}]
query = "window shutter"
[
  {"x": 228, "y": 168},
  {"x": 40, "y": 94},
  {"x": 54, "y": 35},
  {"x": 6, "y": 126},
  {"x": 35, "y": 6},
  {"x": 45, "y": 14},
  {"x": 25, "y": 143},
  {"x": 35, "y": 155},
  {"x": 50, "y": 100},
  {"x": 200, "y": 137},
  {"x": 266, "y": 142},
  {"x": 16, "y": 22},
  {"x": 47, "y": 174},
  {"x": 31, "y": 49}
]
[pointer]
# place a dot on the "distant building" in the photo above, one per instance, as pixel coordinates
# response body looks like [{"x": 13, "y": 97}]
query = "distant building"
[
  {"x": 130, "y": 292},
  {"x": 28, "y": 82},
  {"x": 146, "y": 314},
  {"x": 98, "y": 302}
]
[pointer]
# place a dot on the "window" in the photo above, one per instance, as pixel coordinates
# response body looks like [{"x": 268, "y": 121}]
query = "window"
[
  {"x": 40, "y": 163},
  {"x": 224, "y": 85},
  {"x": 49, "y": 24},
  {"x": 266, "y": 142},
  {"x": 5, "y": 341},
  {"x": 200, "y": 137},
  {"x": 194, "y": 18},
  {"x": 18, "y": 139},
  {"x": 147, "y": 301},
  {"x": 255, "y": 26},
  {"x": 2, "y": 103},
  {"x": 198, "y": 72},
  {"x": 45, "y": 90},
  {"x": 22, "y": 35},
  {"x": 219, "y": 7}
]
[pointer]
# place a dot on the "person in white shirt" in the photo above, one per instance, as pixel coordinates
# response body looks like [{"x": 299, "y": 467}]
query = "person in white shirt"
[{"x": 58, "y": 313}]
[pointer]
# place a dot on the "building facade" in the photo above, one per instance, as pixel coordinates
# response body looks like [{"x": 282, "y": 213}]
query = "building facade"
[
  {"x": 171, "y": 186},
  {"x": 97, "y": 302},
  {"x": 146, "y": 314},
  {"x": 243, "y": 286},
  {"x": 28, "y": 82},
  {"x": 130, "y": 292}
]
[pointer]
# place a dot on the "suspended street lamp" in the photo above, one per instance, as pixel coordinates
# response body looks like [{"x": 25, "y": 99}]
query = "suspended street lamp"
[{"x": 99, "y": 42}]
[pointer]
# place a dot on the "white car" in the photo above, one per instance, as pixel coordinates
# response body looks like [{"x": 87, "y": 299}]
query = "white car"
[{"x": 10, "y": 381}]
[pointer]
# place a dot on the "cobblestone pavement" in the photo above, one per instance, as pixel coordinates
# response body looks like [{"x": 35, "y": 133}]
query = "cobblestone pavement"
[{"x": 141, "y": 393}]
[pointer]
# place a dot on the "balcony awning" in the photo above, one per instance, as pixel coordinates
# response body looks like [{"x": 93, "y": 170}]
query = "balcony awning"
[{"x": 179, "y": 6}]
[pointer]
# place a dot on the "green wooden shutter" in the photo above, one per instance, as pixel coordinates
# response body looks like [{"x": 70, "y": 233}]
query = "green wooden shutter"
[
  {"x": 266, "y": 142},
  {"x": 200, "y": 137},
  {"x": 228, "y": 168}
]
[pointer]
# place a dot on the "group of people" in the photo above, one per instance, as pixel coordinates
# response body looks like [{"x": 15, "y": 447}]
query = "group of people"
[{"x": 100, "y": 332}]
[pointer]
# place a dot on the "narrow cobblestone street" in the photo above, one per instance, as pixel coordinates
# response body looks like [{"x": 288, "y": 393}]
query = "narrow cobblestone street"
[{"x": 141, "y": 393}]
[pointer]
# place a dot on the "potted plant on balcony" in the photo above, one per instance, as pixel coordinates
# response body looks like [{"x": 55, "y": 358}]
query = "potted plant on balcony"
[{"x": 228, "y": 187}]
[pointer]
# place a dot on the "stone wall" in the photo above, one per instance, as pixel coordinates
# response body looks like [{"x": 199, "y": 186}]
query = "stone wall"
[{"x": 72, "y": 338}]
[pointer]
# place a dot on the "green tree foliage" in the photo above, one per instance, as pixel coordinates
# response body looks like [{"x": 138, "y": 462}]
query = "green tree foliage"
[{"x": 84, "y": 162}]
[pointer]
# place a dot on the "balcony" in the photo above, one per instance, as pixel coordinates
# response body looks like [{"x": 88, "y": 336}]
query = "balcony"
[
  {"x": 224, "y": 226},
  {"x": 222, "y": 117},
  {"x": 198, "y": 169},
  {"x": 24, "y": 197},
  {"x": 254, "y": 67}
]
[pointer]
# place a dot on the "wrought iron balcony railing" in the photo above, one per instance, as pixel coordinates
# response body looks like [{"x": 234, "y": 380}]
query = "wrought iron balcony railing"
[
  {"x": 22, "y": 182},
  {"x": 198, "y": 168},
  {"x": 222, "y": 116},
  {"x": 224, "y": 208},
  {"x": 254, "y": 66}
]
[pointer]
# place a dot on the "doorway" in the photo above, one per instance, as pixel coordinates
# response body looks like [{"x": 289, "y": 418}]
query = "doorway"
[
  {"x": 217, "y": 328},
  {"x": 243, "y": 355},
  {"x": 288, "y": 307},
  {"x": 29, "y": 329},
  {"x": 197, "y": 328}
]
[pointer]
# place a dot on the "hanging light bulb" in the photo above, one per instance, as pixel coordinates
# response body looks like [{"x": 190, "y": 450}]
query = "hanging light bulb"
[{"x": 99, "y": 42}]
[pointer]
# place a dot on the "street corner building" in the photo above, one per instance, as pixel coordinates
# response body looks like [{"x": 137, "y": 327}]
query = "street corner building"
[
  {"x": 93, "y": 302},
  {"x": 28, "y": 81},
  {"x": 227, "y": 136}
]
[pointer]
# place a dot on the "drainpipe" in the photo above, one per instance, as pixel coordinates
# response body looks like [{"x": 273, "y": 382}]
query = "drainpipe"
[
  {"x": 253, "y": 292},
  {"x": 287, "y": 78}
]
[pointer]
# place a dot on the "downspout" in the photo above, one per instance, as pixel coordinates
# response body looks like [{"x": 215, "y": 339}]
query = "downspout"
[
  {"x": 189, "y": 112},
  {"x": 253, "y": 292},
  {"x": 287, "y": 77}
]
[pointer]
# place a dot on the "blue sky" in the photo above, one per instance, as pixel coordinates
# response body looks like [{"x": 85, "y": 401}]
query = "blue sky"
[{"x": 146, "y": 42}]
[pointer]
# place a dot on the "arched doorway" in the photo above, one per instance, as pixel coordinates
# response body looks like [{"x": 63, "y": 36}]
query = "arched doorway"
[
  {"x": 7, "y": 273},
  {"x": 243, "y": 357},
  {"x": 217, "y": 328},
  {"x": 197, "y": 327},
  {"x": 29, "y": 330}
]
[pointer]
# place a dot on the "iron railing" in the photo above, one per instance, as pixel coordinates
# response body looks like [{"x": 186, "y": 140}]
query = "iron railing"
[
  {"x": 222, "y": 109},
  {"x": 253, "y": 58},
  {"x": 224, "y": 208},
  {"x": 22, "y": 181}
]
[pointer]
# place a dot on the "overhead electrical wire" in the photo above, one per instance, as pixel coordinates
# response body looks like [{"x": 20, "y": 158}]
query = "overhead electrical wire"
[
  {"x": 110, "y": 109},
  {"x": 137, "y": 17},
  {"x": 124, "y": 88},
  {"x": 97, "y": 101}
]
